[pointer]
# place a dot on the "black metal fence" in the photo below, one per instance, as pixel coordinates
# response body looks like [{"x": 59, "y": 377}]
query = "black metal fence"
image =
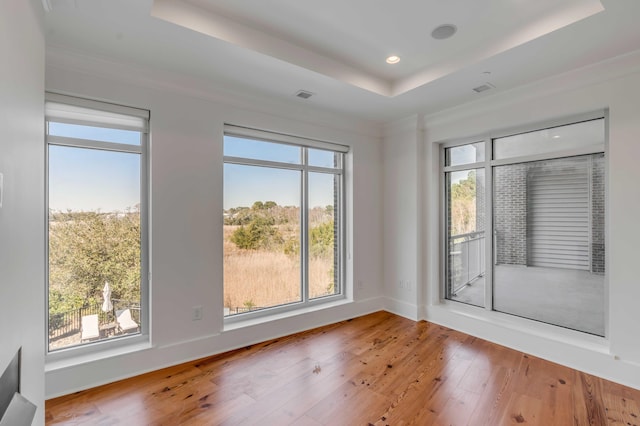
[{"x": 64, "y": 324}]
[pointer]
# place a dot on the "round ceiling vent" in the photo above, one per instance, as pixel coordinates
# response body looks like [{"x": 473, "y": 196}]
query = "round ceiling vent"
[{"x": 444, "y": 31}]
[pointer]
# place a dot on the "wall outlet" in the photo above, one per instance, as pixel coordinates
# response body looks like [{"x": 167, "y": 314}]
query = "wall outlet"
[
  {"x": 404, "y": 284},
  {"x": 196, "y": 314}
]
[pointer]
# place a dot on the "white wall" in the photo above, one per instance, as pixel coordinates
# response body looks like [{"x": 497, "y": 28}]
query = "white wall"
[
  {"x": 187, "y": 202},
  {"x": 22, "y": 214},
  {"x": 402, "y": 217},
  {"x": 614, "y": 85}
]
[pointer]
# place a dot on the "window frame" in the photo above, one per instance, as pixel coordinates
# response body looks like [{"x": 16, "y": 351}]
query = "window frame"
[
  {"x": 142, "y": 119},
  {"x": 488, "y": 165},
  {"x": 304, "y": 144}
]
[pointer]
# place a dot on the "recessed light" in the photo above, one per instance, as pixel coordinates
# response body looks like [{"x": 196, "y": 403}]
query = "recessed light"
[
  {"x": 444, "y": 31},
  {"x": 393, "y": 59},
  {"x": 556, "y": 136}
]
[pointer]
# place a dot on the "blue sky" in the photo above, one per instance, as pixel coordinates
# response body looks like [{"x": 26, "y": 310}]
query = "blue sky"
[
  {"x": 86, "y": 179},
  {"x": 243, "y": 185}
]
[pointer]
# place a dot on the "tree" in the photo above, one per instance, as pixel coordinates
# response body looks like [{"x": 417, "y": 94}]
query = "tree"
[
  {"x": 322, "y": 237},
  {"x": 463, "y": 205},
  {"x": 259, "y": 233},
  {"x": 87, "y": 249}
]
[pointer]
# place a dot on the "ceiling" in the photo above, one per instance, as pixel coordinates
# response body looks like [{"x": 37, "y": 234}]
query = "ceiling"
[{"x": 336, "y": 49}]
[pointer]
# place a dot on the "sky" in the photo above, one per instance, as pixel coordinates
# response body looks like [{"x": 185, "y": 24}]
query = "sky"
[
  {"x": 244, "y": 185},
  {"x": 83, "y": 179}
]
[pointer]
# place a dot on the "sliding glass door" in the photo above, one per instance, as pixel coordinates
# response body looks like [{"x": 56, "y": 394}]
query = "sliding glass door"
[{"x": 544, "y": 242}]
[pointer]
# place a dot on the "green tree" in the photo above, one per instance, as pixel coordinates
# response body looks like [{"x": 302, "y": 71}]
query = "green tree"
[
  {"x": 259, "y": 233},
  {"x": 463, "y": 205},
  {"x": 87, "y": 249},
  {"x": 322, "y": 237}
]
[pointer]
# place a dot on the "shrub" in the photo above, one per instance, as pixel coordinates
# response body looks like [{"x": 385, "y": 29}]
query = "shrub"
[
  {"x": 259, "y": 233},
  {"x": 322, "y": 240}
]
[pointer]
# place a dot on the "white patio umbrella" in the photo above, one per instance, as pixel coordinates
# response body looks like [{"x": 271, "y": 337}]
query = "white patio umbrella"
[{"x": 106, "y": 296}]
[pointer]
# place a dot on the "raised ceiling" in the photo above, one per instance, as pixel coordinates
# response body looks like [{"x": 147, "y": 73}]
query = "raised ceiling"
[
  {"x": 349, "y": 40},
  {"x": 337, "y": 49}
]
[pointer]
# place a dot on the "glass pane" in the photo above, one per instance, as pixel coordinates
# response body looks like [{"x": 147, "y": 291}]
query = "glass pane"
[
  {"x": 549, "y": 241},
  {"x": 94, "y": 239},
  {"x": 102, "y": 134},
  {"x": 555, "y": 139},
  {"x": 321, "y": 158},
  {"x": 464, "y": 154},
  {"x": 261, "y": 150},
  {"x": 262, "y": 235},
  {"x": 324, "y": 190},
  {"x": 465, "y": 236}
]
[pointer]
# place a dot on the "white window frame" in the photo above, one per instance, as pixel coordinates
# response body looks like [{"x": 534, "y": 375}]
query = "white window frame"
[
  {"x": 488, "y": 165},
  {"x": 305, "y": 168},
  {"x": 60, "y": 108}
]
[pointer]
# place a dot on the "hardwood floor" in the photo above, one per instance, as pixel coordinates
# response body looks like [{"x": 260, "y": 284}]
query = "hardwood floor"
[{"x": 379, "y": 369}]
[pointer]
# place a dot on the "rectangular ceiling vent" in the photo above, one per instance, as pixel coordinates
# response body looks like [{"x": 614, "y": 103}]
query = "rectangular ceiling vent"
[
  {"x": 303, "y": 94},
  {"x": 484, "y": 87}
]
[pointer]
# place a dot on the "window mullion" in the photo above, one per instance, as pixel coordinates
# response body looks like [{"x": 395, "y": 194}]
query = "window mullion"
[
  {"x": 93, "y": 144},
  {"x": 488, "y": 214},
  {"x": 304, "y": 227}
]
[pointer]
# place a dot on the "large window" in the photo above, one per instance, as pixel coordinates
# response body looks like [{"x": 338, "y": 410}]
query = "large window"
[
  {"x": 542, "y": 254},
  {"x": 97, "y": 258},
  {"x": 283, "y": 221}
]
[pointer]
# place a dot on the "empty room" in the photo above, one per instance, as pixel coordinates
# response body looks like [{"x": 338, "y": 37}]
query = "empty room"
[{"x": 340, "y": 212}]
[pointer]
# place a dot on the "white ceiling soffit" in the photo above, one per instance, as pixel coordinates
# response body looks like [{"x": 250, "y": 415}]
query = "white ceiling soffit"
[{"x": 349, "y": 40}]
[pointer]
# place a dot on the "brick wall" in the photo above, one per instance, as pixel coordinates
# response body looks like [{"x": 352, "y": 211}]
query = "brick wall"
[
  {"x": 510, "y": 214},
  {"x": 597, "y": 214}
]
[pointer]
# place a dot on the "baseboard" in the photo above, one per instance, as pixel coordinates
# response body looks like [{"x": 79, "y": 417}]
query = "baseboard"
[{"x": 398, "y": 307}]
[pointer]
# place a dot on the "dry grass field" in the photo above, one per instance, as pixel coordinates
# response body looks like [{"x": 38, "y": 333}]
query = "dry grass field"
[{"x": 262, "y": 278}]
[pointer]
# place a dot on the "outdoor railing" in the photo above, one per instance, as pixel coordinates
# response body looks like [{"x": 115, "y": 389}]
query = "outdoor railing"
[
  {"x": 67, "y": 323},
  {"x": 466, "y": 259}
]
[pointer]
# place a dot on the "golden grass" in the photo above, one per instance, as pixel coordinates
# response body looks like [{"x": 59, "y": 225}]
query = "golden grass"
[{"x": 266, "y": 278}]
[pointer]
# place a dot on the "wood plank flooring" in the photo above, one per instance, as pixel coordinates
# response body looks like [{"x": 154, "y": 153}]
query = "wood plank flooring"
[{"x": 379, "y": 369}]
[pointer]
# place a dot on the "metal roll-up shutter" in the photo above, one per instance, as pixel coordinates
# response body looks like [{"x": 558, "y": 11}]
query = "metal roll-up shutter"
[{"x": 558, "y": 211}]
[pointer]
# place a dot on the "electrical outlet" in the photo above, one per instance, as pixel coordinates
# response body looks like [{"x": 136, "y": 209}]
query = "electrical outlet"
[{"x": 196, "y": 313}]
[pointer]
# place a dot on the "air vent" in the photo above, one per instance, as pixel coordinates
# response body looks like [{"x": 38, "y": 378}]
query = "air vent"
[
  {"x": 303, "y": 94},
  {"x": 484, "y": 88}
]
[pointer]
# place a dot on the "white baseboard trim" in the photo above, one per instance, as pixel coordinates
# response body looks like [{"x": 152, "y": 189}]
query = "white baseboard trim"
[{"x": 401, "y": 308}]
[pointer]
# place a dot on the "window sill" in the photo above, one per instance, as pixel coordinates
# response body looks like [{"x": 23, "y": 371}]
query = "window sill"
[
  {"x": 528, "y": 327},
  {"x": 232, "y": 323},
  {"x": 71, "y": 357}
]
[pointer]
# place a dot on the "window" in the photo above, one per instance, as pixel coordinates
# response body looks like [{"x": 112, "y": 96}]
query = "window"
[
  {"x": 465, "y": 242},
  {"x": 283, "y": 221},
  {"x": 545, "y": 255},
  {"x": 97, "y": 232}
]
